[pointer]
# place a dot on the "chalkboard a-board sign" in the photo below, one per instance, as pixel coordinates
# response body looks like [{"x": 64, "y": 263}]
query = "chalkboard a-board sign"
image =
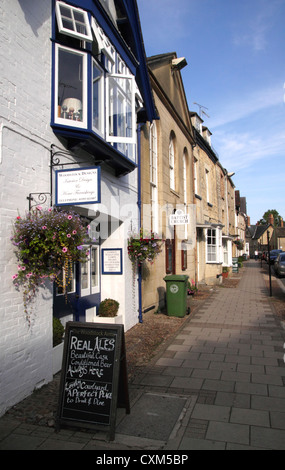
[{"x": 93, "y": 377}]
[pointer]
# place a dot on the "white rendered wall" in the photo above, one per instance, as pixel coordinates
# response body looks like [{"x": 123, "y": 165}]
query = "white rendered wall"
[
  {"x": 25, "y": 140},
  {"x": 25, "y": 136}
]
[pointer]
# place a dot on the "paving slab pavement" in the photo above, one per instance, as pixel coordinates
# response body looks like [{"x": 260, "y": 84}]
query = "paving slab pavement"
[{"x": 217, "y": 384}]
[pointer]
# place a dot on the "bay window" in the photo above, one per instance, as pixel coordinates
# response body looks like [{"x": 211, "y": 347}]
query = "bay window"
[
  {"x": 212, "y": 251},
  {"x": 225, "y": 253},
  {"x": 94, "y": 89}
]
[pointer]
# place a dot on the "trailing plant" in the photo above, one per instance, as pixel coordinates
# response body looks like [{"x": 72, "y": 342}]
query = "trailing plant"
[
  {"x": 144, "y": 247},
  {"x": 108, "y": 308},
  {"x": 47, "y": 244}
]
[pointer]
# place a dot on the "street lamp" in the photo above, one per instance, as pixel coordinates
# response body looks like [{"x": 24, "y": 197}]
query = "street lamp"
[{"x": 268, "y": 248}]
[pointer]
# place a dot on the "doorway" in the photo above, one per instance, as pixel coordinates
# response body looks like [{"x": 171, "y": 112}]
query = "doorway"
[{"x": 79, "y": 299}]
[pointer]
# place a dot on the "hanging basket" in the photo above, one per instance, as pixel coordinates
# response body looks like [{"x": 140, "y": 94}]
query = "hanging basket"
[
  {"x": 144, "y": 247},
  {"x": 239, "y": 244},
  {"x": 47, "y": 243}
]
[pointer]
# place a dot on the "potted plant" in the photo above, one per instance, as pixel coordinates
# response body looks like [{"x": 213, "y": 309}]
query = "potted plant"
[
  {"x": 108, "y": 312},
  {"x": 47, "y": 243},
  {"x": 144, "y": 247},
  {"x": 58, "y": 331},
  {"x": 57, "y": 352},
  {"x": 108, "y": 308},
  {"x": 225, "y": 272}
]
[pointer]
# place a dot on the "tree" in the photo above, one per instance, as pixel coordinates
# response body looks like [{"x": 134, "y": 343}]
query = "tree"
[{"x": 276, "y": 216}]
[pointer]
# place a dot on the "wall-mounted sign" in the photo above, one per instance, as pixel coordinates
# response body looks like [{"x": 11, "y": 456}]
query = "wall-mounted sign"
[
  {"x": 112, "y": 261},
  {"x": 179, "y": 218},
  {"x": 93, "y": 377},
  {"x": 78, "y": 186}
]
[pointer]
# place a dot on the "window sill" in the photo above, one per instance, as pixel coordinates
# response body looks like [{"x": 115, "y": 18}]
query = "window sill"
[
  {"x": 175, "y": 193},
  {"x": 101, "y": 151},
  {"x": 214, "y": 262}
]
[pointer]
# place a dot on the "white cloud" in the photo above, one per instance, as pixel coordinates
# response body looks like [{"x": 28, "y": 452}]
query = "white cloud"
[
  {"x": 248, "y": 104},
  {"x": 243, "y": 150},
  {"x": 253, "y": 33}
]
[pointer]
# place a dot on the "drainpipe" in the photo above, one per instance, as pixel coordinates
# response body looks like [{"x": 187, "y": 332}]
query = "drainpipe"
[{"x": 139, "y": 211}]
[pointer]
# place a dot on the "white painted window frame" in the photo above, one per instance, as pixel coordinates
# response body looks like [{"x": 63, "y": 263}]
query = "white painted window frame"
[
  {"x": 73, "y": 32},
  {"x": 59, "y": 120},
  {"x": 153, "y": 176},
  {"x": 171, "y": 164},
  {"x": 121, "y": 92}
]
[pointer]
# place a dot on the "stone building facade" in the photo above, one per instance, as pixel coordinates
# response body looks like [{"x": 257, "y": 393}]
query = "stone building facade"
[{"x": 167, "y": 179}]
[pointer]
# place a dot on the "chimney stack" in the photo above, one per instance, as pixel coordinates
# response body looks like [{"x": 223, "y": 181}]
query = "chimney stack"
[{"x": 271, "y": 219}]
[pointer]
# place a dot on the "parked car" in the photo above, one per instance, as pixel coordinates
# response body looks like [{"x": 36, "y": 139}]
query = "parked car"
[
  {"x": 279, "y": 264},
  {"x": 273, "y": 255}
]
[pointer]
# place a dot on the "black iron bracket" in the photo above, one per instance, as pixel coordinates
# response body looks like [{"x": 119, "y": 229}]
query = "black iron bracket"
[{"x": 42, "y": 198}]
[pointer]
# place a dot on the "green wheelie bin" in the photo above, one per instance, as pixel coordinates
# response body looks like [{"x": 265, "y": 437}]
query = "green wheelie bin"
[{"x": 176, "y": 294}]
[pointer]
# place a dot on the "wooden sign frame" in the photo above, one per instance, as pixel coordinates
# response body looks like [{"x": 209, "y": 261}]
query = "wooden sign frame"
[{"x": 94, "y": 376}]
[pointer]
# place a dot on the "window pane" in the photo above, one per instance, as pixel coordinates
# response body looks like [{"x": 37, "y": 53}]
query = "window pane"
[
  {"x": 94, "y": 267},
  {"x": 78, "y": 16},
  {"x": 98, "y": 109},
  {"x": 65, "y": 12},
  {"x": 211, "y": 245},
  {"x": 66, "y": 281},
  {"x": 66, "y": 23},
  {"x": 70, "y": 86},
  {"x": 85, "y": 275},
  {"x": 121, "y": 109},
  {"x": 171, "y": 164}
]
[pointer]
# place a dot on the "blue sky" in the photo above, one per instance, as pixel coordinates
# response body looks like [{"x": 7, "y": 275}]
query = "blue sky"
[{"x": 235, "y": 50}]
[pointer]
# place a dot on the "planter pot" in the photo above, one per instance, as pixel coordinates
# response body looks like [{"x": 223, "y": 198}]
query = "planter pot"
[
  {"x": 112, "y": 320},
  {"x": 225, "y": 275},
  {"x": 57, "y": 353}
]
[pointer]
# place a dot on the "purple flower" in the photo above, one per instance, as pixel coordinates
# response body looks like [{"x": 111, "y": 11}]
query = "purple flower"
[{"x": 79, "y": 247}]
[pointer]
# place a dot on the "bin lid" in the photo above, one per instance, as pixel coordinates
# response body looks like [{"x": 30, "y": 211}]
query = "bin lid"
[{"x": 176, "y": 277}]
